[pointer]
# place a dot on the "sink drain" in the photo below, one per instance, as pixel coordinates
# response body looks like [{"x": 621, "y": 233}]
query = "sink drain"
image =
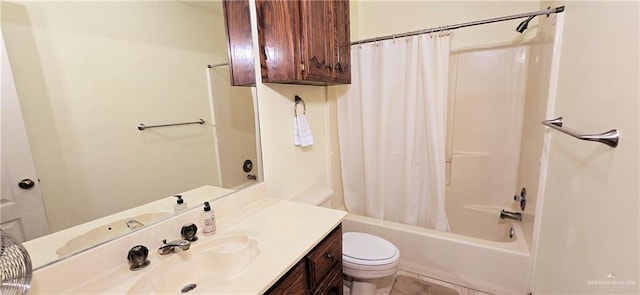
[{"x": 188, "y": 288}]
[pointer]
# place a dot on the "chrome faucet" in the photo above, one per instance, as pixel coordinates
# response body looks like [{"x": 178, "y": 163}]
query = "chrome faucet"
[
  {"x": 133, "y": 224},
  {"x": 510, "y": 215},
  {"x": 170, "y": 247}
]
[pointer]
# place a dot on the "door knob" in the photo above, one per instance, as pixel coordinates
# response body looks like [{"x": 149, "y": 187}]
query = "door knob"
[{"x": 26, "y": 184}]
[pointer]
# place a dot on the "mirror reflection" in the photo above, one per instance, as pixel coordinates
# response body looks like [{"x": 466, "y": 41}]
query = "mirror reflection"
[{"x": 78, "y": 78}]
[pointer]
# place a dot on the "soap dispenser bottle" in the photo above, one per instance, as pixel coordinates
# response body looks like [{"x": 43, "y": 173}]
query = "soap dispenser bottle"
[
  {"x": 208, "y": 220},
  {"x": 180, "y": 204}
]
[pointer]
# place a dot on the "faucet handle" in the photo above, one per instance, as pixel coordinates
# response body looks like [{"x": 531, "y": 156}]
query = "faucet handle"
[
  {"x": 189, "y": 231},
  {"x": 137, "y": 257},
  {"x": 521, "y": 198}
]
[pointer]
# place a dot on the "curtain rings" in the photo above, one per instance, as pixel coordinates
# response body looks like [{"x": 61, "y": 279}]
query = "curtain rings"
[{"x": 445, "y": 31}]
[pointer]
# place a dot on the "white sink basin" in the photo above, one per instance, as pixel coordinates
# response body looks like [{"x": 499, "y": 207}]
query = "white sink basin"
[
  {"x": 106, "y": 232},
  {"x": 202, "y": 269}
]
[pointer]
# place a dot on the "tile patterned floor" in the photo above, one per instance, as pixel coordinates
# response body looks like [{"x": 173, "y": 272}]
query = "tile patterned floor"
[{"x": 385, "y": 285}]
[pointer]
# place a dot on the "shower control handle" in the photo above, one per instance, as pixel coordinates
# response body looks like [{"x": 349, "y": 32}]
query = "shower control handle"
[{"x": 521, "y": 198}]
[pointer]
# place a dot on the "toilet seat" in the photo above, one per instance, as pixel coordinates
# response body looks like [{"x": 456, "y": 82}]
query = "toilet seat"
[{"x": 368, "y": 250}]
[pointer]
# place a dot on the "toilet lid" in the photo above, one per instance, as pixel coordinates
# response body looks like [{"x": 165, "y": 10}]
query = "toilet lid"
[{"x": 368, "y": 249}]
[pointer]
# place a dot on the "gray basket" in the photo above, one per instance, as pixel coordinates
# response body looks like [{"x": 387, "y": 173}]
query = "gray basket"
[{"x": 15, "y": 266}]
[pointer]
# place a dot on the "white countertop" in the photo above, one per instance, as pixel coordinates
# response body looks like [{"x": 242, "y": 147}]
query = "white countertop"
[
  {"x": 43, "y": 250},
  {"x": 285, "y": 231}
]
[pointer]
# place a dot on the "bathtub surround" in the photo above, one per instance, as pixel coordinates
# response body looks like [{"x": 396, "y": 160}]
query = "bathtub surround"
[
  {"x": 235, "y": 127},
  {"x": 488, "y": 91},
  {"x": 391, "y": 123}
]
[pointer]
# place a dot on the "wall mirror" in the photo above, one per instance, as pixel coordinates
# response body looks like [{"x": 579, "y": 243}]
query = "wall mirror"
[{"x": 80, "y": 76}]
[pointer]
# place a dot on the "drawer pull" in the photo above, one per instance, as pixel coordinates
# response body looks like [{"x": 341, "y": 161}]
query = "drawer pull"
[{"x": 330, "y": 256}]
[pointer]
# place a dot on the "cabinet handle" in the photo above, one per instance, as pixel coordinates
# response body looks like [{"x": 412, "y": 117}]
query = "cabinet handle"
[
  {"x": 330, "y": 256},
  {"x": 339, "y": 68}
]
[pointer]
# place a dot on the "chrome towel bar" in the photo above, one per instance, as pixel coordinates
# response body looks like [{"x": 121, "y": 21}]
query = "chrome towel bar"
[
  {"x": 142, "y": 126},
  {"x": 609, "y": 138}
]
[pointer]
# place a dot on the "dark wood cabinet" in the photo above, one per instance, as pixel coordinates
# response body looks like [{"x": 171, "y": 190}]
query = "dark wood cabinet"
[
  {"x": 320, "y": 272},
  {"x": 293, "y": 283},
  {"x": 239, "y": 42},
  {"x": 304, "y": 41}
]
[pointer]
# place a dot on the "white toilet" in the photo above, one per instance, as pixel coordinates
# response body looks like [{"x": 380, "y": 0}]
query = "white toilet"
[{"x": 366, "y": 256}]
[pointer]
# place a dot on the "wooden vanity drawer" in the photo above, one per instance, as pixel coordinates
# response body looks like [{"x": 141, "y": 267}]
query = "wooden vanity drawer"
[
  {"x": 324, "y": 257},
  {"x": 293, "y": 283}
]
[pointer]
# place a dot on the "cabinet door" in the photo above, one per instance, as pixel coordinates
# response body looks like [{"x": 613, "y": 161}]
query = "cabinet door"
[
  {"x": 239, "y": 42},
  {"x": 317, "y": 41},
  {"x": 278, "y": 38},
  {"x": 342, "y": 52},
  {"x": 332, "y": 284},
  {"x": 294, "y": 283}
]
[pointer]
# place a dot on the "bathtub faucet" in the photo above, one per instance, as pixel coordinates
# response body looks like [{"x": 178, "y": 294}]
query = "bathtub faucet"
[{"x": 510, "y": 215}]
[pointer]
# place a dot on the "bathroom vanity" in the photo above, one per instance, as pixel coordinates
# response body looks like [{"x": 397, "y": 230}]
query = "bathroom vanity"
[
  {"x": 320, "y": 272},
  {"x": 262, "y": 245}
]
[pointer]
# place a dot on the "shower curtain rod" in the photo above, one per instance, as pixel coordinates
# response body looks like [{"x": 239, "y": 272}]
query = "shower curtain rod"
[{"x": 462, "y": 25}]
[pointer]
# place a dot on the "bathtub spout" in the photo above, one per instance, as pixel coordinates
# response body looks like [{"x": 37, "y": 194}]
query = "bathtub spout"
[{"x": 510, "y": 215}]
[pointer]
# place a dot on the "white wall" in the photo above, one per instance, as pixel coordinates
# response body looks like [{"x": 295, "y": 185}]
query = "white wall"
[
  {"x": 590, "y": 225},
  {"x": 288, "y": 169},
  {"x": 78, "y": 123}
]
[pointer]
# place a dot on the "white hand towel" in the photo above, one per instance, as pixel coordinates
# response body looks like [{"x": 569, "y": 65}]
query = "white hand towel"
[
  {"x": 296, "y": 131},
  {"x": 305, "y": 138}
]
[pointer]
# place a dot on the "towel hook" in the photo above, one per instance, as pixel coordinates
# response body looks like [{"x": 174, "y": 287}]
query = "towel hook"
[{"x": 298, "y": 100}]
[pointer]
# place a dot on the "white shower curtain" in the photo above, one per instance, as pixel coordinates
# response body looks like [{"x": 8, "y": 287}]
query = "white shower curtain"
[{"x": 391, "y": 124}]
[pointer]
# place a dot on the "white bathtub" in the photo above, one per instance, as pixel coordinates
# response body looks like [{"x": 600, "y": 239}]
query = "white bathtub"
[{"x": 491, "y": 264}]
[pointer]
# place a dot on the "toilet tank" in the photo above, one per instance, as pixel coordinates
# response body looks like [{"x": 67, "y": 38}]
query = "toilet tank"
[{"x": 317, "y": 196}]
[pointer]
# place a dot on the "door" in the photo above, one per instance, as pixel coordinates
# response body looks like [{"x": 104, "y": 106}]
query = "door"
[{"x": 22, "y": 211}]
